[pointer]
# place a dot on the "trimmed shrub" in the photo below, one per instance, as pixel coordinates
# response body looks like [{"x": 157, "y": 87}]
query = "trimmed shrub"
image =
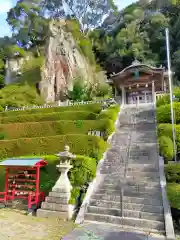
[
  {"x": 166, "y": 130},
  {"x": 172, "y": 172},
  {"x": 166, "y": 148},
  {"x": 163, "y": 100},
  {"x": 79, "y": 144},
  {"x": 163, "y": 113},
  {"x": 52, "y": 128},
  {"x": 110, "y": 113},
  {"x": 95, "y": 108},
  {"x": 67, "y": 115},
  {"x": 173, "y": 191}
]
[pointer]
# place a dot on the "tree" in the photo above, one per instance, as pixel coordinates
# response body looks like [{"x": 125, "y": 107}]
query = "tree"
[
  {"x": 28, "y": 25},
  {"x": 89, "y": 13}
]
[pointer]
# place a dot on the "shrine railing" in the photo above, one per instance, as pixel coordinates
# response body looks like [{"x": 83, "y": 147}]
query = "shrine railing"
[
  {"x": 57, "y": 104},
  {"x": 160, "y": 94}
]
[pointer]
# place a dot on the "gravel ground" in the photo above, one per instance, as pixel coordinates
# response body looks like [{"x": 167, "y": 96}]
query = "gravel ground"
[{"x": 16, "y": 225}]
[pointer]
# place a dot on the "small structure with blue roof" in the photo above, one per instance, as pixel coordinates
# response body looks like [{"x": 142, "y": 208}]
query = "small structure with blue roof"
[{"x": 22, "y": 180}]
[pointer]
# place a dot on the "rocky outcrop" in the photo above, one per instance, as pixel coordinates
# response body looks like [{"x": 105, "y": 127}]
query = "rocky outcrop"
[
  {"x": 63, "y": 63},
  {"x": 13, "y": 69}
]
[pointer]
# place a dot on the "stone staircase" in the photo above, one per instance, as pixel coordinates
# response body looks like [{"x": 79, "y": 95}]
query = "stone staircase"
[{"x": 130, "y": 193}]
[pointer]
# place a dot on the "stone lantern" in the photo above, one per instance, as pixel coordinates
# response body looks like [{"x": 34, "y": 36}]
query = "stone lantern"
[
  {"x": 57, "y": 203},
  {"x": 63, "y": 184}
]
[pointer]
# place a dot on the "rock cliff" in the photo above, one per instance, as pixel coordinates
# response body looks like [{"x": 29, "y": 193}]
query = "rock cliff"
[{"x": 63, "y": 63}]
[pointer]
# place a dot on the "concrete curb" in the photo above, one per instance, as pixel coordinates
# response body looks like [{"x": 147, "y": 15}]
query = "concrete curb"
[{"x": 97, "y": 180}]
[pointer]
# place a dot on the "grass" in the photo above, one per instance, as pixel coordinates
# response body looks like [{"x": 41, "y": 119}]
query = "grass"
[{"x": 15, "y": 225}]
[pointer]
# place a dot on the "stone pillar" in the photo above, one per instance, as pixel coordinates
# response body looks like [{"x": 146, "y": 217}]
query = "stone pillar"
[
  {"x": 123, "y": 95},
  {"x": 57, "y": 203},
  {"x": 153, "y": 93}
]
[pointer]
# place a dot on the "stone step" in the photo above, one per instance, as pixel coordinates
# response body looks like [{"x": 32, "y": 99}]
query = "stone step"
[
  {"x": 129, "y": 193},
  {"x": 129, "y": 206},
  {"x": 155, "y": 200},
  {"x": 126, "y": 213},
  {"x": 58, "y": 194},
  {"x": 142, "y": 184},
  {"x": 132, "y": 188},
  {"x": 130, "y": 168},
  {"x": 54, "y": 206},
  {"x": 59, "y": 200},
  {"x": 116, "y": 178},
  {"x": 143, "y": 174},
  {"x": 133, "y": 222}
]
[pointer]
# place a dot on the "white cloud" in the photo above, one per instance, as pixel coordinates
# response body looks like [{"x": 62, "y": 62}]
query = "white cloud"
[{"x": 5, "y": 5}]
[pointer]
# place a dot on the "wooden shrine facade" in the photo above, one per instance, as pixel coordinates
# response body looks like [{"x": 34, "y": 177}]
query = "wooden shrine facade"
[{"x": 138, "y": 83}]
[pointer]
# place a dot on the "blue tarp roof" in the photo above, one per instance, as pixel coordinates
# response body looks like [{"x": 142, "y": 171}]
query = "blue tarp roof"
[{"x": 21, "y": 162}]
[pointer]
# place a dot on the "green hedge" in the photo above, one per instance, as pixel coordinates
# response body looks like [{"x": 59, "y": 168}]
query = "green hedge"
[
  {"x": 52, "y": 128},
  {"x": 79, "y": 144},
  {"x": 83, "y": 171},
  {"x": 163, "y": 113},
  {"x": 110, "y": 113},
  {"x": 166, "y": 98},
  {"x": 166, "y": 148},
  {"x": 173, "y": 191},
  {"x": 67, "y": 115},
  {"x": 172, "y": 172},
  {"x": 95, "y": 107},
  {"x": 166, "y": 130}
]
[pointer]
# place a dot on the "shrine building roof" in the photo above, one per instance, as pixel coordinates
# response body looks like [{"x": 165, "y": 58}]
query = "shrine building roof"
[
  {"x": 23, "y": 162},
  {"x": 141, "y": 67}
]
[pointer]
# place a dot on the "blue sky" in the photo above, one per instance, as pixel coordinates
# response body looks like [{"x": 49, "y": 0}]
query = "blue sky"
[{"x": 5, "y": 5}]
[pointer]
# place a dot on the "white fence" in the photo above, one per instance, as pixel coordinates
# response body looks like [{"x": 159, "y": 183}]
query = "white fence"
[{"x": 58, "y": 104}]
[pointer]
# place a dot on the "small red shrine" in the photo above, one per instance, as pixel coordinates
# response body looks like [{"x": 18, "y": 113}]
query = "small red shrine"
[{"x": 22, "y": 181}]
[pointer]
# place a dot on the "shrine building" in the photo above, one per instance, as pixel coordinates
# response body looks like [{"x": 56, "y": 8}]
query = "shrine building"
[{"x": 139, "y": 83}]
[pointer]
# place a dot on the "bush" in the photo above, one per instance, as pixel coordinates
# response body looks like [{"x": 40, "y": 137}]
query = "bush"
[
  {"x": 110, "y": 113},
  {"x": 172, "y": 172},
  {"x": 79, "y": 91},
  {"x": 166, "y": 130},
  {"x": 166, "y": 148},
  {"x": 95, "y": 108},
  {"x": 17, "y": 95},
  {"x": 79, "y": 144},
  {"x": 173, "y": 191},
  {"x": 52, "y": 128},
  {"x": 166, "y": 98},
  {"x": 68, "y": 115},
  {"x": 164, "y": 113}
]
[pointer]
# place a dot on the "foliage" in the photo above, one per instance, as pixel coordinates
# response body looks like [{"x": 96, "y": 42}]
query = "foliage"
[
  {"x": 52, "y": 128},
  {"x": 166, "y": 148},
  {"x": 110, "y": 113},
  {"x": 83, "y": 41},
  {"x": 68, "y": 115},
  {"x": 79, "y": 144},
  {"x": 102, "y": 90},
  {"x": 17, "y": 95},
  {"x": 3, "y": 135},
  {"x": 88, "y": 13},
  {"x": 78, "y": 92},
  {"x": 31, "y": 70},
  {"x": 28, "y": 24},
  {"x": 172, "y": 172},
  {"x": 164, "y": 113},
  {"x": 166, "y": 130},
  {"x": 173, "y": 191}
]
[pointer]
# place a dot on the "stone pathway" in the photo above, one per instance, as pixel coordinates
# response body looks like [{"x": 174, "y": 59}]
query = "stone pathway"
[{"x": 94, "y": 231}]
